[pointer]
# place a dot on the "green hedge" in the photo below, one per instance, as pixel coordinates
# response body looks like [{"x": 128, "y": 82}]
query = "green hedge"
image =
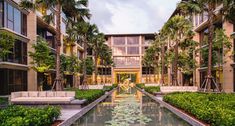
[
  {"x": 90, "y": 95},
  {"x": 3, "y": 101},
  {"x": 152, "y": 89},
  {"x": 214, "y": 109},
  {"x": 109, "y": 88},
  {"x": 28, "y": 116},
  {"x": 140, "y": 85}
]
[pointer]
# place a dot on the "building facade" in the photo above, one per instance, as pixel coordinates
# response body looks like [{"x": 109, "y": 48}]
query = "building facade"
[
  {"x": 16, "y": 73},
  {"x": 224, "y": 72},
  {"x": 128, "y": 51}
]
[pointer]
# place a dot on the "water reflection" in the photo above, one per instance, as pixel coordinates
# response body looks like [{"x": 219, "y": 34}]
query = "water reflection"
[{"x": 129, "y": 108}]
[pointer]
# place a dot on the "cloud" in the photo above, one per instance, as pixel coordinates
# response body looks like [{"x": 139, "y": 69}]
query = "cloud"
[{"x": 131, "y": 16}]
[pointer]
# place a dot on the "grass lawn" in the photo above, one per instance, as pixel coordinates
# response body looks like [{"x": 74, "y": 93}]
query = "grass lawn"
[{"x": 214, "y": 109}]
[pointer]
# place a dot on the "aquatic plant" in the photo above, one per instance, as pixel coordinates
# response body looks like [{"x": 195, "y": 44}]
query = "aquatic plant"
[{"x": 127, "y": 112}]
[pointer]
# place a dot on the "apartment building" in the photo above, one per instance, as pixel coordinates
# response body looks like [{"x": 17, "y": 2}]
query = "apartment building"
[
  {"x": 127, "y": 52},
  {"x": 16, "y": 73},
  {"x": 224, "y": 74}
]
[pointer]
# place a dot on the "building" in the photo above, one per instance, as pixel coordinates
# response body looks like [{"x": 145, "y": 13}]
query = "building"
[
  {"x": 127, "y": 52},
  {"x": 16, "y": 73},
  {"x": 224, "y": 74}
]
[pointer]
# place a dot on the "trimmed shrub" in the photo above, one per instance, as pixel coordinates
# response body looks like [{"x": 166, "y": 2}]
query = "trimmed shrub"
[
  {"x": 140, "y": 85},
  {"x": 214, "y": 109},
  {"x": 109, "y": 88},
  {"x": 152, "y": 89},
  {"x": 3, "y": 101},
  {"x": 90, "y": 95},
  {"x": 28, "y": 116}
]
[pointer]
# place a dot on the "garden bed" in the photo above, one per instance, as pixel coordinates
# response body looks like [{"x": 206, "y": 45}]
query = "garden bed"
[
  {"x": 150, "y": 89},
  {"x": 28, "y": 116},
  {"x": 91, "y": 94},
  {"x": 214, "y": 109}
]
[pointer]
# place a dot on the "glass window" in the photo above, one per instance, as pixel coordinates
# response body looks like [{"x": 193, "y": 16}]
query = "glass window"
[
  {"x": 118, "y": 40},
  {"x": 132, "y": 61},
  {"x": 119, "y": 61},
  {"x": 196, "y": 20},
  {"x": 133, "y": 40},
  {"x": 1, "y": 13},
  {"x": 19, "y": 53},
  {"x": 132, "y": 50},
  {"x": 17, "y": 21},
  {"x": 10, "y": 18},
  {"x": 24, "y": 24},
  {"x": 119, "y": 50}
]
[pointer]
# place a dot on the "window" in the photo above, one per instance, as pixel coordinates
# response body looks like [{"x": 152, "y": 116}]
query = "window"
[
  {"x": 1, "y": 14},
  {"x": 118, "y": 40},
  {"x": 132, "y": 40},
  {"x": 19, "y": 54},
  {"x": 127, "y": 61},
  {"x": 10, "y": 18},
  {"x": 12, "y": 81},
  {"x": 132, "y": 50},
  {"x": 144, "y": 49},
  {"x": 119, "y": 50},
  {"x": 14, "y": 18}
]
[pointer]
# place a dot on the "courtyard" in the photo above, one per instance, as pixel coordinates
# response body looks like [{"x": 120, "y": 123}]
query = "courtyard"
[{"x": 116, "y": 63}]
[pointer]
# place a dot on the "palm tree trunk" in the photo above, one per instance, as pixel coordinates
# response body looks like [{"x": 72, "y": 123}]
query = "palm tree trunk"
[
  {"x": 105, "y": 74},
  {"x": 210, "y": 39},
  {"x": 163, "y": 65},
  {"x": 175, "y": 65},
  {"x": 84, "y": 65},
  {"x": 96, "y": 64},
  {"x": 58, "y": 82}
]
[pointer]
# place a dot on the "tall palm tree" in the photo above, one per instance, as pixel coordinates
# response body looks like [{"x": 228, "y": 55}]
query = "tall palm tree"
[
  {"x": 72, "y": 8},
  {"x": 179, "y": 29},
  {"x": 208, "y": 6},
  {"x": 97, "y": 43}
]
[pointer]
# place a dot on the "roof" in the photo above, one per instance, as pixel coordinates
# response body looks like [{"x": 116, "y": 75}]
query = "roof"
[{"x": 131, "y": 34}]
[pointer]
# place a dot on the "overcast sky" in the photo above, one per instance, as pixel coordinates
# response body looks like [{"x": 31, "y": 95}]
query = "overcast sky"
[{"x": 131, "y": 16}]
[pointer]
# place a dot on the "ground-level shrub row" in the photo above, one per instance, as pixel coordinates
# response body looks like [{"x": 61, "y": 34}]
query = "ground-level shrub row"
[
  {"x": 214, "y": 109},
  {"x": 28, "y": 116},
  {"x": 91, "y": 94},
  {"x": 3, "y": 101},
  {"x": 149, "y": 89}
]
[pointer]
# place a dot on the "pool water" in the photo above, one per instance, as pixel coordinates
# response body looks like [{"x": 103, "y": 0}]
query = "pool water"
[{"x": 129, "y": 108}]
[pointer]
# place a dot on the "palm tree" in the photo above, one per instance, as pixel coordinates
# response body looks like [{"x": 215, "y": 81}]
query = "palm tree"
[
  {"x": 160, "y": 41},
  {"x": 208, "y": 6},
  {"x": 97, "y": 44},
  {"x": 179, "y": 29},
  {"x": 72, "y": 8}
]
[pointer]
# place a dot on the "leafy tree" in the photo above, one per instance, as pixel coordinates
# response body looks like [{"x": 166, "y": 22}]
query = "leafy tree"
[
  {"x": 208, "y": 6},
  {"x": 106, "y": 58},
  {"x": 179, "y": 30},
  {"x": 43, "y": 58},
  {"x": 72, "y": 8},
  {"x": 149, "y": 59},
  {"x": 7, "y": 41}
]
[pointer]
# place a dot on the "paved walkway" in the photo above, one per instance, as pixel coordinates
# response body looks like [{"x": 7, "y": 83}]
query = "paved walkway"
[{"x": 68, "y": 113}]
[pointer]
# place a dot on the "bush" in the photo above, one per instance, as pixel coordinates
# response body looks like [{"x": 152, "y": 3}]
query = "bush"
[
  {"x": 140, "y": 85},
  {"x": 109, "y": 88},
  {"x": 28, "y": 116},
  {"x": 90, "y": 95},
  {"x": 3, "y": 101},
  {"x": 152, "y": 89},
  {"x": 214, "y": 109}
]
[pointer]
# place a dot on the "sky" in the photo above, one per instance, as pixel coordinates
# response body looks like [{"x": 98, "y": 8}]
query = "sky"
[{"x": 131, "y": 16}]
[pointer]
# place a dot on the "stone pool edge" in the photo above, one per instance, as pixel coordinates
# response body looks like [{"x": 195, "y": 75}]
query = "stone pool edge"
[
  {"x": 86, "y": 109},
  {"x": 175, "y": 110}
]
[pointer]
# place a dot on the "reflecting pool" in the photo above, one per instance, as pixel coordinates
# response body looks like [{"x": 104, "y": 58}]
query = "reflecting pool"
[{"x": 129, "y": 108}]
